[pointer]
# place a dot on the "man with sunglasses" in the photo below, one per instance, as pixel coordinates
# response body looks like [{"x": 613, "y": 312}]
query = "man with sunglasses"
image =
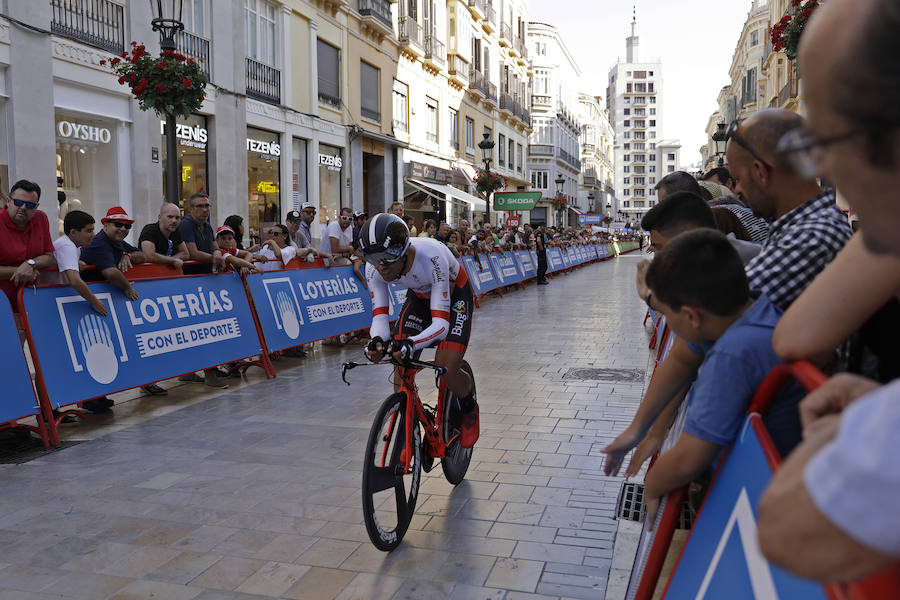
[
  {"x": 111, "y": 254},
  {"x": 198, "y": 236},
  {"x": 25, "y": 243},
  {"x": 338, "y": 238},
  {"x": 438, "y": 309},
  {"x": 807, "y": 229}
]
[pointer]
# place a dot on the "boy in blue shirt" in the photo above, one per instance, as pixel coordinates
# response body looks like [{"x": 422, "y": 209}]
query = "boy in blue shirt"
[{"x": 698, "y": 282}]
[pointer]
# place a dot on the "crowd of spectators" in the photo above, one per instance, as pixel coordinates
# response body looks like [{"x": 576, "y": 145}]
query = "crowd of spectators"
[{"x": 785, "y": 278}]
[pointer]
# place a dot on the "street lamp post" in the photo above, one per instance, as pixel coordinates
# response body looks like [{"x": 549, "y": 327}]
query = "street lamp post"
[
  {"x": 560, "y": 182},
  {"x": 167, "y": 21},
  {"x": 590, "y": 201},
  {"x": 720, "y": 141},
  {"x": 487, "y": 155}
]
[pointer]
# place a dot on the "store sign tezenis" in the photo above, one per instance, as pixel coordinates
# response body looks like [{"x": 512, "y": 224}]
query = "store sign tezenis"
[
  {"x": 334, "y": 163},
  {"x": 188, "y": 135},
  {"x": 264, "y": 148}
]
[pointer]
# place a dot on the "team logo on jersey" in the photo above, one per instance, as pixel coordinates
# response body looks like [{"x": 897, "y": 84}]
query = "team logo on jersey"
[
  {"x": 444, "y": 294},
  {"x": 460, "y": 307}
]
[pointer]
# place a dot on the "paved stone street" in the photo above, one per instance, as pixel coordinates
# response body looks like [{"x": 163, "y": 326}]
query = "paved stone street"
[{"x": 255, "y": 492}]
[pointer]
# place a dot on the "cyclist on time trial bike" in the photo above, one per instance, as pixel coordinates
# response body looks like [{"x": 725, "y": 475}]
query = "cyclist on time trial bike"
[{"x": 438, "y": 308}]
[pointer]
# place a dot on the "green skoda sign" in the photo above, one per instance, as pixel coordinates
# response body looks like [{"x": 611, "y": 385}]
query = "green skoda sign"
[{"x": 515, "y": 200}]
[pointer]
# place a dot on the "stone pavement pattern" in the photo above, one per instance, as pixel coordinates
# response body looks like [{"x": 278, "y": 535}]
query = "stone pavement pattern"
[{"x": 255, "y": 493}]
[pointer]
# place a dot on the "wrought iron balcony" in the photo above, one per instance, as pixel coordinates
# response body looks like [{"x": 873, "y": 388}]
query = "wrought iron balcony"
[
  {"x": 491, "y": 92},
  {"x": 478, "y": 8},
  {"x": 410, "y": 32},
  {"x": 490, "y": 19},
  {"x": 377, "y": 9},
  {"x": 507, "y": 103},
  {"x": 506, "y": 36},
  {"x": 263, "y": 81},
  {"x": 434, "y": 50},
  {"x": 458, "y": 68},
  {"x": 195, "y": 47},
  {"x": 478, "y": 82},
  {"x": 99, "y": 23},
  {"x": 541, "y": 150}
]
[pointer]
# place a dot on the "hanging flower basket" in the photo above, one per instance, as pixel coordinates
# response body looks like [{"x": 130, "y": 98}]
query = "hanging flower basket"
[
  {"x": 559, "y": 203},
  {"x": 785, "y": 34},
  {"x": 169, "y": 84},
  {"x": 488, "y": 182}
]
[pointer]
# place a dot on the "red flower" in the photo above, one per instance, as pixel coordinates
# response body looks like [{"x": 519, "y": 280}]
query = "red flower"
[
  {"x": 179, "y": 57},
  {"x": 161, "y": 64},
  {"x": 124, "y": 55},
  {"x": 143, "y": 82},
  {"x": 186, "y": 82},
  {"x": 121, "y": 80},
  {"x": 132, "y": 78},
  {"x": 161, "y": 87},
  {"x": 168, "y": 53},
  {"x": 115, "y": 61},
  {"x": 103, "y": 62},
  {"x": 134, "y": 43},
  {"x": 141, "y": 48},
  {"x": 202, "y": 98},
  {"x": 190, "y": 61}
]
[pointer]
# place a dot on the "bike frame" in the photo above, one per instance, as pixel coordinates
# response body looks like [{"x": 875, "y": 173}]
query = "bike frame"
[{"x": 434, "y": 444}]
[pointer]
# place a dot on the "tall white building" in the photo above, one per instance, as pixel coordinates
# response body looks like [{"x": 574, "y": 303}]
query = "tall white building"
[
  {"x": 553, "y": 148},
  {"x": 641, "y": 156}
]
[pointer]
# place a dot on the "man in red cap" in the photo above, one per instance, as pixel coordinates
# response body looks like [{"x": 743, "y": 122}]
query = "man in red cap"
[{"x": 111, "y": 254}]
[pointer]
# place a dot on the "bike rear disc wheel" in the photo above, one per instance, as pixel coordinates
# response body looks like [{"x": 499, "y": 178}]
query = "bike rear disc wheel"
[
  {"x": 456, "y": 458},
  {"x": 388, "y": 494}
]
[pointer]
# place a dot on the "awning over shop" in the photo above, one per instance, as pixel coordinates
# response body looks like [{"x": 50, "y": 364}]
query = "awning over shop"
[
  {"x": 576, "y": 210},
  {"x": 441, "y": 191}
]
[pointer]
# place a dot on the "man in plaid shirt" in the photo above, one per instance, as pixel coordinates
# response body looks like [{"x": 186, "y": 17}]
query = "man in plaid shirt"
[{"x": 807, "y": 228}]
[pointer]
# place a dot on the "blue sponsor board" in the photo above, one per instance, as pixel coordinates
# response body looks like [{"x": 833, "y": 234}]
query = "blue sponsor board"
[
  {"x": 302, "y": 305},
  {"x": 722, "y": 557},
  {"x": 397, "y": 298},
  {"x": 480, "y": 274},
  {"x": 505, "y": 269},
  {"x": 554, "y": 259},
  {"x": 18, "y": 394},
  {"x": 176, "y": 326},
  {"x": 526, "y": 262},
  {"x": 601, "y": 250},
  {"x": 591, "y": 251},
  {"x": 590, "y": 219},
  {"x": 566, "y": 261}
]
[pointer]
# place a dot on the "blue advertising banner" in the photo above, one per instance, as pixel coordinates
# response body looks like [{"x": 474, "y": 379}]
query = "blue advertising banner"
[
  {"x": 564, "y": 255},
  {"x": 601, "y": 250},
  {"x": 303, "y": 305},
  {"x": 526, "y": 263},
  {"x": 722, "y": 557},
  {"x": 397, "y": 298},
  {"x": 505, "y": 269},
  {"x": 480, "y": 274},
  {"x": 554, "y": 259},
  {"x": 18, "y": 394},
  {"x": 591, "y": 251},
  {"x": 176, "y": 326},
  {"x": 590, "y": 219}
]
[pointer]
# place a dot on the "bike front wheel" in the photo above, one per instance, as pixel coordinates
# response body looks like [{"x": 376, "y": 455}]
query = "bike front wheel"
[
  {"x": 456, "y": 458},
  {"x": 389, "y": 491}
]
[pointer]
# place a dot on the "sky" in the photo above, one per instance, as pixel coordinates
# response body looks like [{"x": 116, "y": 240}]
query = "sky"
[{"x": 694, "y": 38}]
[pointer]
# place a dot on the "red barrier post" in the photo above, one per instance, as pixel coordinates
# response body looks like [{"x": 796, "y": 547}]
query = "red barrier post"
[{"x": 661, "y": 542}]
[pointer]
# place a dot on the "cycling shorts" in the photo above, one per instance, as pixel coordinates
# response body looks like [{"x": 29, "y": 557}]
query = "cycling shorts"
[{"x": 415, "y": 316}]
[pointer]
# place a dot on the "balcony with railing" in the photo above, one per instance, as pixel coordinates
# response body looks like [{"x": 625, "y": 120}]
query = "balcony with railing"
[
  {"x": 195, "y": 47},
  {"x": 434, "y": 51},
  {"x": 410, "y": 34},
  {"x": 490, "y": 19},
  {"x": 506, "y": 36},
  {"x": 98, "y": 23},
  {"x": 541, "y": 100},
  {"x": 478, "y": 82},
  {"x": 491, "y": 92},
  {"x": 507, "y": 104},
  {"x": 541, "y": 150},
  {"x": 377, "y": 11},
  {"x": 523, "y": 54},
  {"x": 478, "y": 8},
  {"x": 458, "y": 69},
  {"x": 263, "y": 81}
]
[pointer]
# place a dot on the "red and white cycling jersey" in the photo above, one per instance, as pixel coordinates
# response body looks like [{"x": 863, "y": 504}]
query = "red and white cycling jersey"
[{"x": 433, "y": 272}]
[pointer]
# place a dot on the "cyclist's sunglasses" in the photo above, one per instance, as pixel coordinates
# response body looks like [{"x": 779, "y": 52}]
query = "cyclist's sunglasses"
[
  {"x": 28, "y": 204},
  {"x": 732, "y": 134},
  {"x": 384, "y": 257}
]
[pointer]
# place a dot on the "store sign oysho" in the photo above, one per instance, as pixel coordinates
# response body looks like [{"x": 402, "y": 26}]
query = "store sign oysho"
[
  {"x": 80, "y": 131},
  {"x": 334, "y": 163}
]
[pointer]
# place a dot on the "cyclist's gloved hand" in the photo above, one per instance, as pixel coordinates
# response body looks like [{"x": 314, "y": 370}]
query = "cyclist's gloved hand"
[
  {"x": 375, "y": 346},
  {"x": 405, "y": 348}
]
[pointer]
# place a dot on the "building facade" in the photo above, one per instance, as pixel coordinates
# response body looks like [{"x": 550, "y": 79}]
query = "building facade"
[
  {"x": 635, "y": 101},
  {"x": 780, "y": 80},
  {"x": 303, "y": 104},
  {"x": 553, "y": 147},
  {"x": 596, "y": 188}
]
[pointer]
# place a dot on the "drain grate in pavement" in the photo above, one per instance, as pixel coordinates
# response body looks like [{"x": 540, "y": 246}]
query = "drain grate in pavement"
[
  {"x": 610, "y": 375},
  {"x": 631, "y": 502},
  {"x": 20, "y": 449}
]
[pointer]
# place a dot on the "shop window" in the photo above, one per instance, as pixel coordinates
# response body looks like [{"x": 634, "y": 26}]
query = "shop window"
[
  {"x": 370, "y": 91},
  {"x": 193, "y": 137},
  {"x": 330, "y": 168},
  {"x": 299, "y": 177},
  {"x": 86, "y": 165},
  {"x": 263, "y": 180}
]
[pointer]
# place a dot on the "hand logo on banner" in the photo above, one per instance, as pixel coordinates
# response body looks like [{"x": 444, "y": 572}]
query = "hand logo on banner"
[
  {"x": 97, "y": 349},
  {"x": 288, "y": 315}
]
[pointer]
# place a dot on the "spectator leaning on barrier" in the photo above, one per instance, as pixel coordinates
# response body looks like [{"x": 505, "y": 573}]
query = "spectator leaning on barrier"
[
  {"x": 236, "y": 222},
  {"x": 198, "y": 236},
  {"x": 721, "y": 176},
  {"x": 307, "y": 216},
  {"x": 464, "y": 233},
  {"x": 111, "y": 254},
  {"x": 161, "y": 241},
  {"x": 25, "y": 243},
  {"x": 830, "y": 511},
  {"x": 239, "y": 260},
  {"x": 808, "y": 229},
  {"x": 338, "y": 238},
  {"x": 278, "y": 248},
  {"x": 679, "y": 181},
  {"x": 698, "y": 282},
  {"x": 79, "y": 231}
]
